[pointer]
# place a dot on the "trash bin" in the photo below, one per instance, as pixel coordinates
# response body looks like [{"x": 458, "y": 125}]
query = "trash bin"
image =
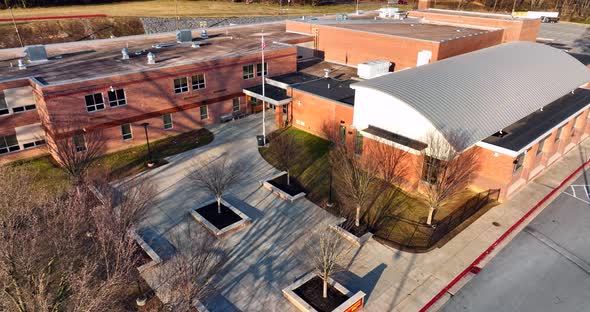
[{"x": 260, "y": 139}]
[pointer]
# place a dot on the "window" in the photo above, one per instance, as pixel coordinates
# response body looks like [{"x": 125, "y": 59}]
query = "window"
[
  {"x": 198, "y": 81},
  {"x": 79, "y": 143},
  {"x": 259, "y": 69},
  {"x": 358, "y": 143},
  {"x": 94, "y": 102},
  {"x": 180, "y": 85},
  {"x": 126, "y": 132},
  {"x": 540, "y": 147},
  {"x": 518, "y": 163},
  {"x": 236, "y": 104},
  {"x": 573, "y": 130},
  {"x": 3, "y": 108},
  {"x": 116, "y": 98},
  {"x": 33, "y": 144},
  {"x": 167, "y": 121},
  {"x": 248, "y": 71},
  {"x": 204, "y": 112},
  {"x": 286, "y": 109},
  {"x": 558, "y": 135},
  {"x": 20, "y": 109},
  {"x": 431, "y": 169},
  {"x": 8, "y": 144},
  {"x": 342, "y": 134}
]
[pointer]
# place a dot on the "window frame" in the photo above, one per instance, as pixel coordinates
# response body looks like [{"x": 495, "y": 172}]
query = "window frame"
[
  {"x": 170, "y": 125},
  {"x": 180, "y": 89},
  {"x": 75, "y": 140},
  {"x": 117, "y": 101},
  {"x": 206, "y": 112},
  {"x": 130, "y": 134},
  {"x": 199, "y": 85},
  {"x": 95, "y": 105},
  {"x": 248, "y": 74},
  {"x": 518, "y": 164},
  {"x": 4, "y": 110},
  {"x": 236, "y": 99},
  {"x": 430, "y": 176},
  {"x": 342, "y": 134},
  {"x": 9, "y": 148},
  {"x": 33, "y": 144},
  {"x": 259, "y": 69},
  {"x": 358, "y": 143}
]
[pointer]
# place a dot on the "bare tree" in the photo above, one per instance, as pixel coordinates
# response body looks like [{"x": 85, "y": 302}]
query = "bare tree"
[
  {"x": 188, "y": 276},
  {"x": 66, "y": 252},
  {"x": 284, "y": 149},
  {"x": 447, "y": 167},
  {"x": 217, "y": 176},
  {"x": 356, "y": 179},
  {"x": 74, "y": 147},
  {"x": 326, "y": 251}
]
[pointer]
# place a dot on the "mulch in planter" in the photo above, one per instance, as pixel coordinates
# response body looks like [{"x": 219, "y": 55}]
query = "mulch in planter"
[
  {"x": 221, "y": 220},
  {"x": 357, "y": 231},
  {"x": 292, "y": 189},
  {"x": 312, "y": 293}
]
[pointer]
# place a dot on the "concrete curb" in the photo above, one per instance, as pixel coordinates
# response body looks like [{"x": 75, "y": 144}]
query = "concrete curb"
[
  {"x": 226, "y": 230},
  {"x": 282, "y": 194}
]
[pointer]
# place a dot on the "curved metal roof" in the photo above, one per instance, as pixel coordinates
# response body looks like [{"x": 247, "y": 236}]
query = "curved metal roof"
[{"x": 481, "y": 92}]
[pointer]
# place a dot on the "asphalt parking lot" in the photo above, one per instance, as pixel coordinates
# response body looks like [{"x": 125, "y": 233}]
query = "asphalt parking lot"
[
  {"x": 545, "y": 268},
  {"x": 566, "y": 36}
]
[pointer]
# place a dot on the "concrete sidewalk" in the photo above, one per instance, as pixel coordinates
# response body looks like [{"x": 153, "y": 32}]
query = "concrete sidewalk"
[{"x": 267, "y": 256}]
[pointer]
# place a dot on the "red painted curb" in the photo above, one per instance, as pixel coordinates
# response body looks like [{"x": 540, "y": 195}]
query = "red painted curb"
[
  {"x": 500, "y": 239},
  {"x": 40, "y": 18}
]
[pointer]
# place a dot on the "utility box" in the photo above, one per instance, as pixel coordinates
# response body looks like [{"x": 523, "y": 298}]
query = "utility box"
[
  {"x": 372, "y": 69},
  {"x": 184, "y": 35},
  {"x": 260, "y": 140},
  {"x": 36, "y": 53}
]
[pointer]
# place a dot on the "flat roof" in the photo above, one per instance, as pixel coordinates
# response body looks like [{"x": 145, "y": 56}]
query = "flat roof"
[
  {"x": 330, "y": 88},
  {"x": 270, "y": 92},
  {"x": 473, "y": 14},
  {"x": 318, "y": 68},
  {"x": 76, "y": 61},
  {"x": 523, "y": 132},
  {"x": 417, "y": 30}
]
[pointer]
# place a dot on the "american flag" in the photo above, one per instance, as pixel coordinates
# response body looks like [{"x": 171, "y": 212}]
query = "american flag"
[{"x": 262, "y": 44}]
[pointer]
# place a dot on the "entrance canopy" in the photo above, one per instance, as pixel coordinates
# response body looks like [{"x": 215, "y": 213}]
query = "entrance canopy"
[{"x": 273, "y": 95}]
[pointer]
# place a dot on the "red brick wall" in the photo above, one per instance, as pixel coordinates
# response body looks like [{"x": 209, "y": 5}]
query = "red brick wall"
[
  {"x": 315, "y": 111},
  {"x": 514, "y": 30},
  {"x": 468, "y": 44}
]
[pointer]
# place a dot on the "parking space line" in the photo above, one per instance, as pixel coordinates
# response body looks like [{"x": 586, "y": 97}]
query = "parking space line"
[{"x": 582, "y": 200}]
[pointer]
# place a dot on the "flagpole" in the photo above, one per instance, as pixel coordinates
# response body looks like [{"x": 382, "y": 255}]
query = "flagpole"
[{"x": 262, "y": 46}]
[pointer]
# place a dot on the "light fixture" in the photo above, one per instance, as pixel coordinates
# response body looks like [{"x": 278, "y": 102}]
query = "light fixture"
[{"x": 112, "y": 89}]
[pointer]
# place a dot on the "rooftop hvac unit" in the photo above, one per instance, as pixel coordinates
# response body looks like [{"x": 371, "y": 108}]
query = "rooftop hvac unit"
[
  {"x": 36, "y": 53},
  {"x": 125, "y": 54},
  {"x": 373, "y": 69},
  {"x": 184, "y": 35},
  {"x": 204, "y": 34},
  {"x": 151, "y": 58}
]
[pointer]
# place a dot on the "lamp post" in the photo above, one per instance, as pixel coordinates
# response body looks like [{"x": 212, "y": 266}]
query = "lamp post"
[{"x": 150, "y": 163}]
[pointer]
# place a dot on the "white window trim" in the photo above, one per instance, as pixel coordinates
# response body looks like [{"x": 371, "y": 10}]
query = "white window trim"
[
  {"x": 201, "y": 115},
  {"x": 187, "y": 85},
  {"x": 204, "y": 82},
  {"x": 253, "y": 72},
  {"x": 171, "y": 122},
  {"x": 95, "y": 110},
  {"x": 239, "y": 104},
  {"x": 130, "y": 132},
  {"x": 118, "y": 105}
]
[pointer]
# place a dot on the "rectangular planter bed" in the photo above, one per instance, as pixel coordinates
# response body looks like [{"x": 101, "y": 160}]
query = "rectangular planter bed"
[
  {"x": 231, "y": 218},
  {"x": 306, "y": 295},
  {"x": 154, "y": 247},
  {"x": 349, "y": 236},
  {"x": 278, "y": 185}
]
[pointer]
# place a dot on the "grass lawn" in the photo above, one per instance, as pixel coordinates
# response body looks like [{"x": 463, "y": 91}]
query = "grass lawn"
[
  {"x": 166, "y": 8},
  {"x": 122, "y": 163},
  {"x": 312, "y": 171}
]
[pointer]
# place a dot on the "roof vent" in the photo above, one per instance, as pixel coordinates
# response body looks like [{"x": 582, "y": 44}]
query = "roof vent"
[
  {"x": 326, "y": 73},
  {"x": 184, "y": 35},
  {"x": 125, "y": 54},
  {"x": 204, "y": 34},
  {"x": 36, "y": 53},
  {"x": 21, "y": 64},
  {"x": 151, "y": 57},
  {"x": 195, "y": 45},
  {"x": 500, "y": 134}
]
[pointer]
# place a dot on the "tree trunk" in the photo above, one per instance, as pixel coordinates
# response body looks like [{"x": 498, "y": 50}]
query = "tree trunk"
[
  {"x": 325, "y": 294},
  {"x": 218, "y": 204},
  {"x": 430, "y": 215},
  {"x": 357, "y": 219}
]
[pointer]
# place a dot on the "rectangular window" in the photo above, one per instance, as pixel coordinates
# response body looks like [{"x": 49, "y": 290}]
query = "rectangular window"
[
  {"x": 167, "y": 121},
  {"x": 20, "y": 109},
  {"x": 558, "y": 134},
  {"x": 180, "y": 85},
  {"x": 540, "y": 147},
  {"x": 33, "y": 144},
  {"x": 286, "y": 109},
  {"x": 431, "y": 169},
  {"x": 518, "y": 162},
  {"x": 358, "y": 143},
  {"x": 9, "y": 144},
  {"x": 79, "y": 143},
  {"x": 117, "y": 98},
  {"x": 126, "y": 132},
  {"x": 94, "y": 102},
  {"x": 204, "y": 112},
  {"x": 259, "y": 69},
  {"x": 3, "y": 107},
  {"x": 198, "y": 81},
  {"x": 236, "y": 104},
  {"x": 248, "y": 71}
]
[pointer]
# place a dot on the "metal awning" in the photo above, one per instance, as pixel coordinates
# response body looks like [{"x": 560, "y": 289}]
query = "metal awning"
[{"x": 273, "y": 95}]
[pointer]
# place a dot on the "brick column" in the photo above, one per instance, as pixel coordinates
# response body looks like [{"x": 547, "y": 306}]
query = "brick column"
[
  {"x": 279, "y": 116},
  {"x": 424, "y": 4}
]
